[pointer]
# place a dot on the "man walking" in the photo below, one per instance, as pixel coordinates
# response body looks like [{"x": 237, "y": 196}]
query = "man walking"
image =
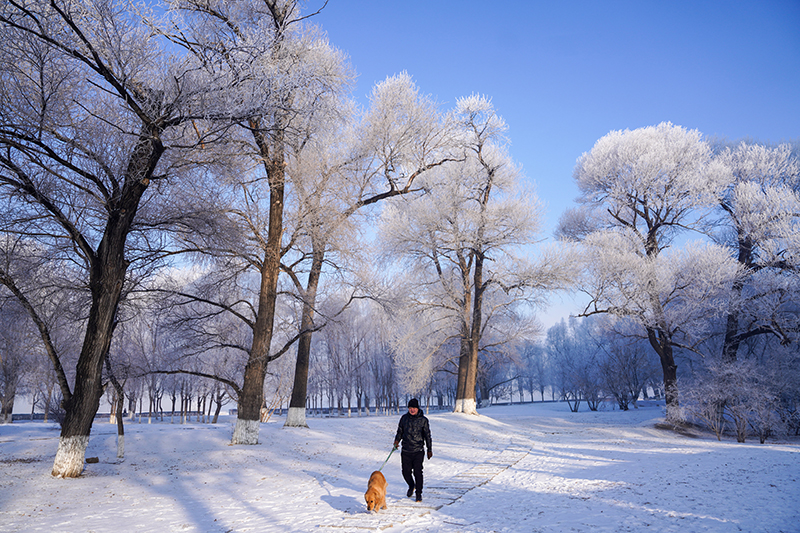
[{"x": 415, "y": 433}]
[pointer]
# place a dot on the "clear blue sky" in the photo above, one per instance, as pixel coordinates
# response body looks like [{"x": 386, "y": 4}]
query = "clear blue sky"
[{"x": 564, "y": 73}]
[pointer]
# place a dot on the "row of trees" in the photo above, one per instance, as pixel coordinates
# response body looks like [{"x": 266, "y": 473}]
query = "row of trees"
[
  {"x": 355, "y": 369},
  {"x": 683, "y": 245},
  {"x": 192, "y": 182},
  {"x": 693, "y": 248},
  {"x": 113, "y": 122}
]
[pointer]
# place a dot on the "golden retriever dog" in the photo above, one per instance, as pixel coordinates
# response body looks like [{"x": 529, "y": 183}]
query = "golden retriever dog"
[{"x": 376, "y": 492}]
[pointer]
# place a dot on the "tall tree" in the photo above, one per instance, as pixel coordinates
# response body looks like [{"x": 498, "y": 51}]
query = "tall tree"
[
  {"x": 760, "y": 225},
  {"x": 639, "y": 190},
  {"x": 474, "y": 215},
  {"x": 279, "y": 74},
  {"x": 88, "y": 105}
]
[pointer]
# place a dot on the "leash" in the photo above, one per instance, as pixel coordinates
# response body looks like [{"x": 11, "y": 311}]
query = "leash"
[{"x": 387, "y": 459}]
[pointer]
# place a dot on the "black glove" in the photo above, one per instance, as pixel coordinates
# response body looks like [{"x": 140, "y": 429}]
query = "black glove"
[
  {"x": 430, "y": 454},
  {"x": 396, "y": 444}
]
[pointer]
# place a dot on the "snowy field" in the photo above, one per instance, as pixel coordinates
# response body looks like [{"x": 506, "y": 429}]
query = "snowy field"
[{"x": 530, "y": 468}]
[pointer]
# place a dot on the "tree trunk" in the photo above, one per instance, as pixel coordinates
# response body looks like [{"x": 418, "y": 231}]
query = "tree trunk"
[
  {"x": 252, "y": 394},
  {"x": 297, "y": 406},
  {"x": 118, "y": 410},
  {"x": 468, "y": 400},
  {"x": 660, "y": 342},
  {"x": 9, "y": 393},
  {"x": 218, "y": 408},
  {"x": 730, "y": 345},
  {"x": 462, "y": 404},
  {"x": 465, "y": 400},
  {"x": 106, "y": 278},
  {"x": 81, "y": 407}
]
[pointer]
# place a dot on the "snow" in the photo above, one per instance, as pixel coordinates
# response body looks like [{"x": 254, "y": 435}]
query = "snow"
[{"x": 523, "y": 468}]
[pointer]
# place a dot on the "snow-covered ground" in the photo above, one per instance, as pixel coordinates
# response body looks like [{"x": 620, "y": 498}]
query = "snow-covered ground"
[{"x": 534, "y": 468}]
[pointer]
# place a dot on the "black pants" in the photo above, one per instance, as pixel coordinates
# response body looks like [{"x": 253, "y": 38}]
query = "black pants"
[{"x": 412, "y": 463}]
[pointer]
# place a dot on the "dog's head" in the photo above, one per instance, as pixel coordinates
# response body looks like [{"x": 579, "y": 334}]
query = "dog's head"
[{"x": 371, "y": 497}]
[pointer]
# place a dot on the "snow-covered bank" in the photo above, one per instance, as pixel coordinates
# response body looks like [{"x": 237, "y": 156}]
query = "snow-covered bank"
[{"x": 587, "y": 471}]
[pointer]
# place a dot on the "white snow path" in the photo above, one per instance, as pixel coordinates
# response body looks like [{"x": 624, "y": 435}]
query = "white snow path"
[
  {"x": 583, "y": 472},
  {"x": 436, "y": 495}
]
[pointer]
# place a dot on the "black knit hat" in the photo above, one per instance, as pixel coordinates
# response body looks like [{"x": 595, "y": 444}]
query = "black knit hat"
[{"x": 413, "y": 403}]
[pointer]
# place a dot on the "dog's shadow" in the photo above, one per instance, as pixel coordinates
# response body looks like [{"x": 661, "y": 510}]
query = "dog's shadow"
[
  {"x": 341, "y": 502},
  {"x": 345, "y": 504}
]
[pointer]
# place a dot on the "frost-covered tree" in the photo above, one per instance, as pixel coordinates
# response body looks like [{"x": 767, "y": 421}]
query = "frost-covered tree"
[
  {"x": 625, "y": 365},
  {"x": 743, "y": 395},
  {"x": 534, "y": 371},
  {"x": 460, "y": 245},
  {"x": 91, "y": 101},
  {"x": 574, "y": 355},
  {"x": 761, "y": 226},
  {"x": 639, "y": 190},
  {"x": 17, "y": 347},
  {"x": 356, "y": 163},
  {"x": 507, "y": 328},
  {"x": 276, "y": 74}
]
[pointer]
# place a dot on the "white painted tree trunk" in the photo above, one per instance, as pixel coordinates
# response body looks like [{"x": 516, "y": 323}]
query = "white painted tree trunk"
[
  {"x": 467, "y": 406},
  {"x": 246, "y": 431},
  {"x": 70, "y": 456},
  {"x": 296, "y": 418},
  {"x": 120, "y": 446}
]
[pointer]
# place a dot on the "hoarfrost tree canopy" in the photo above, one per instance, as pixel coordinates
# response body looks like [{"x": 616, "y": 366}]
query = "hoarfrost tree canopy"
[
  {"x": 760, "y": 224},
  {"x": 460, "y": 248},
  {"x": 639, "y": 190},
  {"x": 747, "y": 379},
  {"x": 91, "y": 101},
  {"x": 362, "y": 160}
]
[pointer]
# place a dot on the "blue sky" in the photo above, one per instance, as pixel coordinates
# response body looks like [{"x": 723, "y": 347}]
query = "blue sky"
[{"x": 564, "y": 73}]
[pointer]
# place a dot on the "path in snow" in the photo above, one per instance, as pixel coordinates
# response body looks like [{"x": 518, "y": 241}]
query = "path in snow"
[{"x": 437, "y": 495}]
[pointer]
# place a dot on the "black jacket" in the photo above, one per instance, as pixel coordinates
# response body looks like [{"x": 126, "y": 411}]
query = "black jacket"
[{"x": 415, "y": 432}]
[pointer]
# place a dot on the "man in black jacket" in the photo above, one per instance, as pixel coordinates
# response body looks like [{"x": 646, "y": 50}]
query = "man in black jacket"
[{"x": 415, "y": 433}]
